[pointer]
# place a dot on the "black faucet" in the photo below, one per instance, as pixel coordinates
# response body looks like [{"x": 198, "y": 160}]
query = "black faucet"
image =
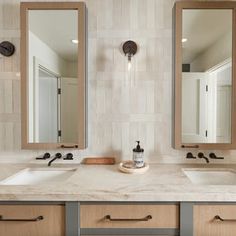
[
  {"x": 57, "y": 156},
  {"x": 201, "y": 155}
]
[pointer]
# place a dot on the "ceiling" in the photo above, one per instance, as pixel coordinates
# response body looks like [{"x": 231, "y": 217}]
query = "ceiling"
[
  {"x": 203, "y": 28},
  {"x": 56, "y": 28}
]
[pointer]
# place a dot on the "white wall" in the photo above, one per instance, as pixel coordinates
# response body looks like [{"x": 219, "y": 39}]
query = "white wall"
[
  {"x": 43, "y": 52},
  {"x": 217, "y": 53}
]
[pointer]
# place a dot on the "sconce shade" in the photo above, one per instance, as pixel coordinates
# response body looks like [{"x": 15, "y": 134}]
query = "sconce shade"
[
  {"x": 6, "y": 48},
  {"x": 130, "y": 48}
]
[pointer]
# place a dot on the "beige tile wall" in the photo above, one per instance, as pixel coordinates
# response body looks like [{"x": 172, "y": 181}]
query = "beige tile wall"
[{"x": 120, "y": 111}]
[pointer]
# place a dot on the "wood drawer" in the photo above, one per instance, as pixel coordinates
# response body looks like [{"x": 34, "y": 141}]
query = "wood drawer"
[
  {"x": 205, "y": 225},
  {"x": 52, "y": 224},
  {"x": 163, "y": 216}
]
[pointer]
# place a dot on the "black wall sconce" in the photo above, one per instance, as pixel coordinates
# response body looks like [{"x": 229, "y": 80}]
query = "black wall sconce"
[
  {"x": 130, "y": 49},
  {"x": 7, "y": 49}
]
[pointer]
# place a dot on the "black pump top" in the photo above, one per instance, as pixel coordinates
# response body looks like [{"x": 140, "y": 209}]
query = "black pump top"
[{"x": 138, "y": 148}]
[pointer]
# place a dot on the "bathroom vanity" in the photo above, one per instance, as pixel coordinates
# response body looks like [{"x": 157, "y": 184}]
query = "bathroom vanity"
[
  {"x": 167, "y": 200},
  {"x": 163, "y": 201},
  {"x": 91, "y": 218}
]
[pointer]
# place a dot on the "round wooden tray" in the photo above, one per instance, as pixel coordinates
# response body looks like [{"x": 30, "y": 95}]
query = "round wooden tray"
[{"x": 128, "y": 167}]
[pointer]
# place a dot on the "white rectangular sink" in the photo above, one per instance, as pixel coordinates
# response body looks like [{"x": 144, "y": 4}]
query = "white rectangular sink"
[
  {"x": 33, "y": 176},
  {"x": 211, "y": 176}
]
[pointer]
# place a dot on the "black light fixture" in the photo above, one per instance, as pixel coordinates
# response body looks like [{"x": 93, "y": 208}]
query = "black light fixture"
[
  {"x": 130, "y": 49},
  {"x": 7, "y": 48}
]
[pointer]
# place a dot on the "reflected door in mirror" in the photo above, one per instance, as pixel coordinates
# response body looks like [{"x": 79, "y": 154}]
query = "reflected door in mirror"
[{"x": 206, "y": 75}]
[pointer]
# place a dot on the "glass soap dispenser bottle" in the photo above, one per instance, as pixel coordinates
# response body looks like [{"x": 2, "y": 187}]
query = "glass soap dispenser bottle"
[{"x": 138, "y": 156}]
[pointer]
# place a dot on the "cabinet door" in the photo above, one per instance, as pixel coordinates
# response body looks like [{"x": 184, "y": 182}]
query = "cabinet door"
[
  {"x": 15, "y": 220},
  {"x": 205, "y": 223}
]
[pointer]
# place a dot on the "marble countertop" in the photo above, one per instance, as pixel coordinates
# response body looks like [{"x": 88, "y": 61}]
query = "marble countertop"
[{"x": 162, "y": 182}]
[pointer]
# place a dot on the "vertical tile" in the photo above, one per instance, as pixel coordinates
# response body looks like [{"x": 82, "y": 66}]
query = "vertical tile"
[
  {"x": 11, "y": 14},
  {"x": 104, "y": 56},
  {"x": 104, "y": 14},
  {"x": 8, "y": 96},
  {"x": 9, "y": 135},
  {"x": 92, "y": 7},
  {"x": 121, "y": 14},
  {"x": 16, "y": 96}
]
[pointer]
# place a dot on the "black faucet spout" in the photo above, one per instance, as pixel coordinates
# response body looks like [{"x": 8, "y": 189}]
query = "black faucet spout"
[
  {"x": 201, "y": 155},
  {"x": 57, "y": 156}
]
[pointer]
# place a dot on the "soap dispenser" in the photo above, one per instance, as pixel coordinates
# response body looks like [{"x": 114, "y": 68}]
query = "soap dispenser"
[{"x": 138, "y": 156}]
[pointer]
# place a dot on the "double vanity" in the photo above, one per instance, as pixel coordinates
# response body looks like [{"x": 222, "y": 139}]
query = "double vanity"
[
  {"x": 169, "y": 199},
  {"x": 79, "y": 199}
]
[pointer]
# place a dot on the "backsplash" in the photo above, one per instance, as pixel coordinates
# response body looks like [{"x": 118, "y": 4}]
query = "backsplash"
[{"x": 120, "y": 111}]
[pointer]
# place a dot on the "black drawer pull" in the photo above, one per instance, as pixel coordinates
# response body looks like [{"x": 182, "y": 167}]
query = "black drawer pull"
[
  {"x": 218, "y": 218},
  {"x": 146, "y": 218},
  {"x": 25, "y": 220}
]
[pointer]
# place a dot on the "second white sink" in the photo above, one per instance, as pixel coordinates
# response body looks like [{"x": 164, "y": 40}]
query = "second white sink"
[
  {"x": 213, "y": 176},
  {"x": 33, "y": 176}
]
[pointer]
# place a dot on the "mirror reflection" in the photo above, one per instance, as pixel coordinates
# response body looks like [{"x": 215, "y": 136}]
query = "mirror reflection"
[
  {"x": 206, "y": 75},
  {"x": 52, "y": 76}
]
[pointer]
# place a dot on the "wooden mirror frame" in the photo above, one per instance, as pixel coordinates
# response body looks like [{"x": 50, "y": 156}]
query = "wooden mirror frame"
[
  {"x": 177, "y": 33},
  {"x": 81, "y": 104}
]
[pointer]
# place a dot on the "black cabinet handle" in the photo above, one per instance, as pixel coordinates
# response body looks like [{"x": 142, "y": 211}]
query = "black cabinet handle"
[
  {"x": 109, "y": 218},
  {"x": 38, "y": 218},
  {"x": 218, "y": 218}
]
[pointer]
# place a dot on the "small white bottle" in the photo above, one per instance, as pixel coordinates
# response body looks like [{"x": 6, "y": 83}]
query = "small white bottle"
[{"x": 138, "y": 156}]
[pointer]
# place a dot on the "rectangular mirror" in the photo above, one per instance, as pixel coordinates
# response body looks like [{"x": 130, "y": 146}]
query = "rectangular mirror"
[
  {"x": 204, "y": 75},
  {"x": 53, "y": 71}
]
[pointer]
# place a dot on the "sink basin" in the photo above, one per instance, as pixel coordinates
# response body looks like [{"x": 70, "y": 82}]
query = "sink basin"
[
  {"x": 213, "y": 176},
  {"x": 32, "y": 176}
]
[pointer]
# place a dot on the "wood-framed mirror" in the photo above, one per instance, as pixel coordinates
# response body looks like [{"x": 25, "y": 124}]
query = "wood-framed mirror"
[
  {"x": 53, "y": 75},
  {"x": 204, "y": 75}
]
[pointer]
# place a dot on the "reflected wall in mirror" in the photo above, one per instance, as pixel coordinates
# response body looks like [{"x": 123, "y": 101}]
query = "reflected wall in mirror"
[
  {"x": 204, "y": 74},
  {"x": 54, "y": 49}
]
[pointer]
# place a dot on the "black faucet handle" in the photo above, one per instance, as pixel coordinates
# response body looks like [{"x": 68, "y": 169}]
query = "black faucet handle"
[
  {"x": 212, "y": 155},
  {"x": 189, "y": 155},
  {"x": 69, "y": 156},
  {"x": 44, "y": 157},
  {"x": 58, "y": 155}
]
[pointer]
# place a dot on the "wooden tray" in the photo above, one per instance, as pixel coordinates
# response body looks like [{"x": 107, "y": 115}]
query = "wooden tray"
[
  {"x": 128, "y": 167},
  {"x": 99, "y": 161}
]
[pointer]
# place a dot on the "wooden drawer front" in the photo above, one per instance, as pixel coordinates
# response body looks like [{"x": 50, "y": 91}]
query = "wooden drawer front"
[
  {"x": 204, "y": 224},
  {"x": 163, "y": 216},
  {"x": 52, "y": 224}
]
